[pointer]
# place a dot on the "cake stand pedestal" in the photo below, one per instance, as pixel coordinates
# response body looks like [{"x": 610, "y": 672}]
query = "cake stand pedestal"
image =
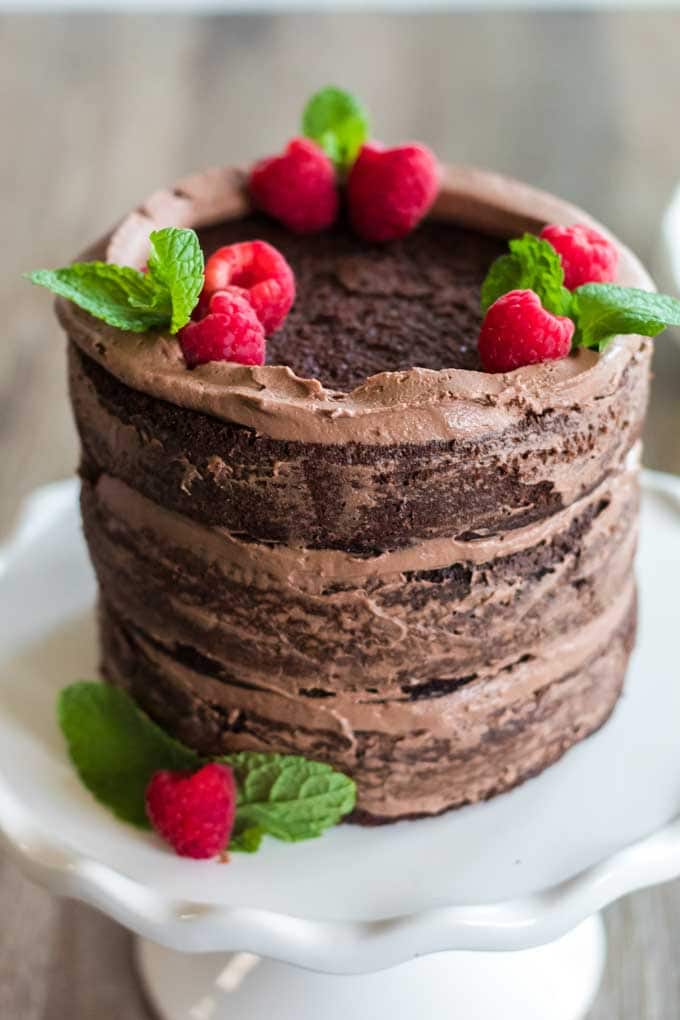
[
  {"x": 491, "y": 911},
  {"x": 558, "y": 980}
]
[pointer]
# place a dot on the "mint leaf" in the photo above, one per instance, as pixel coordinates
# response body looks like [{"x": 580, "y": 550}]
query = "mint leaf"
[
  {"x": 288, "y": 797},
  {"x": 126, "y": 298},
  {"x": 244, "y": 839},
  {"x": 338, "y": 122},
  {"x": 175, "y": 267},
  {"x": 116, "y": 748},
  {"x": 331, "y": 145},
  {"x": 604, "y": 310},
  {"x": 532, "y": 264},
  {"x": 119, "y": 295}
]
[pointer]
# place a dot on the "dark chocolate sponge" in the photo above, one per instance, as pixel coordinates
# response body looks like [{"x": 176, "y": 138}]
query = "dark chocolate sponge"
[{"x": 363, "y": 309}]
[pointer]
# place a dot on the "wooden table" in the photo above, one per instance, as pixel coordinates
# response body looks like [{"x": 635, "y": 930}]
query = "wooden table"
[{"x": 96, "y": 111}]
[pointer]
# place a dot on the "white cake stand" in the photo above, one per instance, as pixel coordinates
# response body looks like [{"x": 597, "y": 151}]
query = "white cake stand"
[{"x": 516, "y": 883}]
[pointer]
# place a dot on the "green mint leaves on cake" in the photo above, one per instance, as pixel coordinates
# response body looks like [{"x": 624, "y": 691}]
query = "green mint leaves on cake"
[
  {"x": 163, "y": 297},
  {"x": 338, "y": 123},
  {"x": 602, "y": 311},
  {"x": 105, "y": 291},
  {"x": 175, "y": 271},
  {"x": 532, "y": 264},
  {"x": 135, "y": 769},
  {"x": 554, "y": 293}
]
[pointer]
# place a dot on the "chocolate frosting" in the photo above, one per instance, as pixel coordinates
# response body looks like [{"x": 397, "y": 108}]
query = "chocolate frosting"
[{"x": 392, "y": 407}]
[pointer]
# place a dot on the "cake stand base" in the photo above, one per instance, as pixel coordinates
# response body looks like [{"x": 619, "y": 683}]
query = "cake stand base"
[{"x": 558, "y": 980}]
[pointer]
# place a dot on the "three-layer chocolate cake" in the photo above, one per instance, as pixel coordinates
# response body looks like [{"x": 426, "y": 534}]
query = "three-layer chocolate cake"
[{"x": 366, "y": 551}]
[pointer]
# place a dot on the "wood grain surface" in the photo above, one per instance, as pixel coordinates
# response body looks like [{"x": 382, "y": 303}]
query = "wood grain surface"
[{"x": 96, "y": 111}]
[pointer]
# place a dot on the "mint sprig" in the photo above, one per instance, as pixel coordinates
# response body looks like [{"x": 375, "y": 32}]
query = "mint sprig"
[
  {"x": 338, "y": 122},
  {"x": 533, "y": 264},
  {"x": 602, "y": 311},
  {"x": 116, "y": 748},
  {"x": 286, "y": 796},
  {"x": 162, "y": 298}
]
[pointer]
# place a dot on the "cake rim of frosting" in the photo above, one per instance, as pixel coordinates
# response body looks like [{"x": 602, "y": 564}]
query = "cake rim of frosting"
[{"x": 408, "y": 406}]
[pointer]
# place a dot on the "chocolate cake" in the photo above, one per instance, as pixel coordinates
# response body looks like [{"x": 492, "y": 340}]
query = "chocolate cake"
[{"x": 366, "y": 551}]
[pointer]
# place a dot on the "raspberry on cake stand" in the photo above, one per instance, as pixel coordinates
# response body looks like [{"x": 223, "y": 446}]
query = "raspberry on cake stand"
[{"x": 368, "y": 922}]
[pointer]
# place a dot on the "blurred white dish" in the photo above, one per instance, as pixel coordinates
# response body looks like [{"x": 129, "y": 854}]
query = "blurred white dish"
[{"x": 666, "y": 265}]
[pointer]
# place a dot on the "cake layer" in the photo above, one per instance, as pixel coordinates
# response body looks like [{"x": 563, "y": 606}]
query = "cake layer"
[
  {"x": 409, "y": 759},
  {"x": 304, "y": 623},
  {"x": 354, "y": 496}
]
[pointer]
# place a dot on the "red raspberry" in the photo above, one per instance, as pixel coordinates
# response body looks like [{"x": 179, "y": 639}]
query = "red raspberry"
[
  {"x": 234, "y": 333},
  {"x": 586, "y": 256},
  {"x": 222, "y": 301},
  {"x": 390, "y": 190},
  {"x": 260, "y": 271},
  {"x": 298, "y": 187},
  {"x": 193, "y": 812},
  {"x": 518, "y": 331}
]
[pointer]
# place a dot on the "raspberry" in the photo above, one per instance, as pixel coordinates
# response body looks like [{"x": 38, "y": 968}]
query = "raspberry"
[
  {"x": 298, "y": 187},
  {"x": 222, "y": 301},
  {"x": 193, "y": 812},
  {"x": 518, "y": 331},
  {"x": 390, "y": 190},
  {"x": 586, "y": 256},
  {"x": 260, "y": 271},
  {"x": 234, "y": 333}
]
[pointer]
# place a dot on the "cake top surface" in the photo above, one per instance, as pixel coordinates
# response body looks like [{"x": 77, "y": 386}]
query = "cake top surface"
[
  {"x": 365, "y": 308},
  {"x": 325, "y": 396}
]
